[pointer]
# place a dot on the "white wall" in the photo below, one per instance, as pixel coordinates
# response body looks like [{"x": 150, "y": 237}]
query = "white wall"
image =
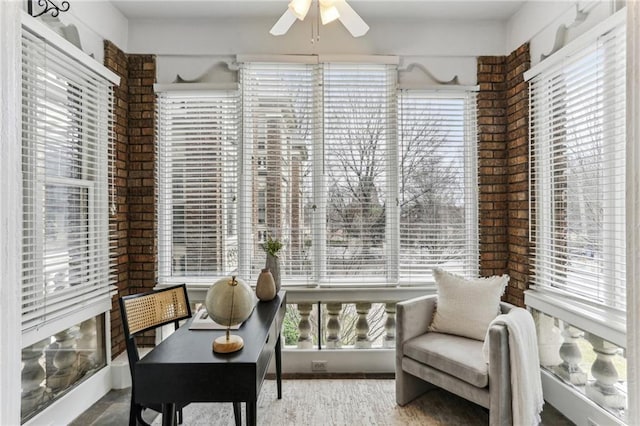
[
  {"x": 251, "y": 35},
  {"x": 95, "y": 20},
  {"x": 444, "y": 48},
  {"x": 547, "y": 26}
]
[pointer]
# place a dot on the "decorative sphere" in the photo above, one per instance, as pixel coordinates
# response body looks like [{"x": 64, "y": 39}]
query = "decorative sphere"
[{"x": 229, "y": 301}]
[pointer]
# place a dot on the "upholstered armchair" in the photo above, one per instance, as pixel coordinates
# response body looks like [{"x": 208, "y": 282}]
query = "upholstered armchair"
[{"x": 426, "y": 359}]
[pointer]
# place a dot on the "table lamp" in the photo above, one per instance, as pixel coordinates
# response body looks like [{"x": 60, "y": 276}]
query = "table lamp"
[{"x": 229, "y": 302}]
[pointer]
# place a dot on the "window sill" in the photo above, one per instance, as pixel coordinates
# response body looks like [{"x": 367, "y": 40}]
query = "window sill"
[
  {"x": 603, "y": 322},
  {"x": 344, "y": 294}
]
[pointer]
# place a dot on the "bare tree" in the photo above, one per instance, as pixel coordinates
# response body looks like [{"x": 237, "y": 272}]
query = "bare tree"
[{"x": 431, "y": 186}]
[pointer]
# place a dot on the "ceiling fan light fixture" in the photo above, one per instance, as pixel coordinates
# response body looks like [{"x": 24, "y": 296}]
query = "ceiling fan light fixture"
[
  {"x": 329, "y": 11},
  {"x": 328, "y": 14},
  {"x": 300, "y": 8}
]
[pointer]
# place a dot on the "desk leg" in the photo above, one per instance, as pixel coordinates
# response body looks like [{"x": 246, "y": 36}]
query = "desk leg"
[
  {"x": 237, "y": 413},
  {"x": 279, "y": 366},
  {"x": 168, "y": 414},
  {"x": 252, "y": 407}
]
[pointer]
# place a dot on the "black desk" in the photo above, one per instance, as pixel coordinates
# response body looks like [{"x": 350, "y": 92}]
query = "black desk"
[{"x": 184, "y": 368}]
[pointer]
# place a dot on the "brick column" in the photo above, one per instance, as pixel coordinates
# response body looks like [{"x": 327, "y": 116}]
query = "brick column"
[
  {"x": 133, "y": 237},
  {"x": 503, "y": 172},
  {"x": 141, "y": 183},
  {"x": 518, "y": 173},
  {"x": 492, "y": 176},
  {"x": 116, "y": 60}
]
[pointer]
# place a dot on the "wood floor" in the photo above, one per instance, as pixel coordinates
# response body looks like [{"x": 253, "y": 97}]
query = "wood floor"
[{"x": 321, "y": 402}]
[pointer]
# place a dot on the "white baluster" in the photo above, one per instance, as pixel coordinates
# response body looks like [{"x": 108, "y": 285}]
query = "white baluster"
[
  {"x": 603, "y": 390},
  {"x": 571, "y": 356},
  {"x": 304, "y": 326},
  {"x": 32, "y": 377},
  {"x": 362, "y": 326},
  {"x": 333, "y": 325},
  {"x": 390, "y": 325},
  {"x": 549, "y": 339},
  {"x": 87, "y": 346},
  {"x": 65, "y": 361}
]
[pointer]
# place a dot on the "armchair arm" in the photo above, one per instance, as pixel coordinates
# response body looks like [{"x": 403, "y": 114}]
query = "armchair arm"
[
  {"x": 413, "y": 318},
  {"x": 499, "y": 375},
  {"x": 505, "y": 307}
]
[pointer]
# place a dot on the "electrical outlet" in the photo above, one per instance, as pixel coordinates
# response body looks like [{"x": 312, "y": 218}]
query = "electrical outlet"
[{"x": 319, "y": 365}]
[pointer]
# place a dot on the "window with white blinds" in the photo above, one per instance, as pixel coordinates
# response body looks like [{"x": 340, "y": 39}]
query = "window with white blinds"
[
  {"x": 356, "y": 196},
  {"x": 578, "y": 173},
  {"x": 279, "y": 104},
  {"x": 359, "y": 171},
  {"x": 66, "y": 123},
  {"x": 437, "y": 183},
  {"x": 197, "y": 133}
]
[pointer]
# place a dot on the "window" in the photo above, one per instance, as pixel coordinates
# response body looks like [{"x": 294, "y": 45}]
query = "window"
[
  {"x": 355, "y": 195},
  {"x": 66, "y": 121},
  {"x": 437, "y": 183},
  {"x": 359, "y": 141},
  {"x": 279, "y": 129},
  {"x": 197, "y": 181},
  {"x": 578, "y": 173}
]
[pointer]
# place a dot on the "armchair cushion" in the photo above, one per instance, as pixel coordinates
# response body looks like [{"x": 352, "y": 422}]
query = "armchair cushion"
[
  {"x": 454, "y": 355},
  {"x": 466, "y": 307}
]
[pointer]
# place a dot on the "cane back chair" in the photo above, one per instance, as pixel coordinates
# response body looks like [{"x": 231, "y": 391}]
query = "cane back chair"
[{"x": 148, "y": 311}]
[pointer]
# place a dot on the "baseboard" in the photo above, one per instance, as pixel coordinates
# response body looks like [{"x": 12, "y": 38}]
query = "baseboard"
[
  {"x": 120, "y": 374},
  {"x": 76, "y": 401},
  {"x": 354, "y": 362},
  {"x": 328, "y": 376}
]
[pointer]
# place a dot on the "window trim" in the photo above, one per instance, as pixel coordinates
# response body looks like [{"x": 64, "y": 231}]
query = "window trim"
[
  {"x": 98, "y": 231},
  {"x": 607, "y": 321}
]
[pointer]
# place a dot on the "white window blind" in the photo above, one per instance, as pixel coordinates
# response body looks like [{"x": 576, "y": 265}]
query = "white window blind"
[
  {"x": 197, "y": 136},
  {"x": 359, "y": 172},
  {"x": 66, "y": 110},
  {"x": 324, "y": 167},
  {"x": 578, "y": 173},
  {"x": 437, "y": 183},
  {"x": 280, "y": 125}
]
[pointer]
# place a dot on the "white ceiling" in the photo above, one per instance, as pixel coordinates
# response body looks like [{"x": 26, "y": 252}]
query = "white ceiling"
[{"x": 368, "y": 9}]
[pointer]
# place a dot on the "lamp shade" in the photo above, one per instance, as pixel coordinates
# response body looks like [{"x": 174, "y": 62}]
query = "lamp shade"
[
  {"x": 328, "y": 11},
  {"x": 300, "y": 8},
  {"x": 229, "y": 301}
]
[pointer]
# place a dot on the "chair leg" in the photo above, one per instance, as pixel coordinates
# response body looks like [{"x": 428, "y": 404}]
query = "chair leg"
[
  {"x": 132, "y": 413},
  {"x": 237, "y": 413},
  {"x": 409, "y": 387},
  {"x": 138, "y": 410},
  {"x": 135, "y": 414}
]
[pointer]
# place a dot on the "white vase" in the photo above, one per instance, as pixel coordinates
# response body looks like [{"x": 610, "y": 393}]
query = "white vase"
[{"x": 273, "y": 264}]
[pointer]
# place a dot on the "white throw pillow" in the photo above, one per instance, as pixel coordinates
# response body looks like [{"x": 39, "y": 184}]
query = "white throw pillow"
[{"x": 466, "y": 307}]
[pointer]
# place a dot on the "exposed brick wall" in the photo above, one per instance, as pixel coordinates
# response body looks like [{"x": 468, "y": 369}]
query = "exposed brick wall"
[
  {"x": 134, "y": 224},
  {"x": 503, "y": 160},
  {"x": 492, "y": 176},
  {"x": 141, "y": 182},
  {"x": 143, "y": 247},
  {"x": 116, "y": 61},
  {"x": 518, "y": 173}
]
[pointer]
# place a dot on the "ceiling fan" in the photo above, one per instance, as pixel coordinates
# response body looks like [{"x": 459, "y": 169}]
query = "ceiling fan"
[{"x": 330, "y": 10}]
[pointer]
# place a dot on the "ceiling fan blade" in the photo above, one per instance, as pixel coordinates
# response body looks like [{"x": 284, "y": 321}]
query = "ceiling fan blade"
[
  {"x": 350, "y": 19},
  {"x": 284, "y": 23}
]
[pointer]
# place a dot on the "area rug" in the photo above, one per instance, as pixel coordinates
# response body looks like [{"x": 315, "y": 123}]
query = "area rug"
[{"x": 342, "y": 402}]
